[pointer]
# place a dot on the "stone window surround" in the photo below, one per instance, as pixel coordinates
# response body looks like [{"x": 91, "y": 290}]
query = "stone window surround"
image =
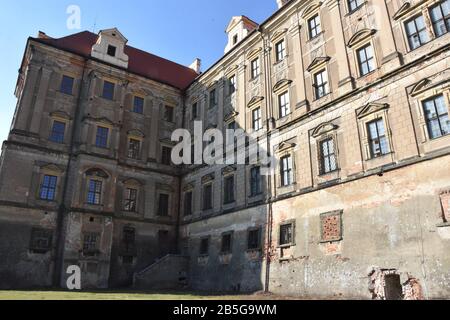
[{"x": 292, "y": 243}]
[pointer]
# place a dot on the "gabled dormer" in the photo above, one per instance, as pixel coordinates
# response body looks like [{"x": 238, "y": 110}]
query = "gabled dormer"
[
  {"x": 110, "y": 47},
  {"x": 238, "y": 28}
]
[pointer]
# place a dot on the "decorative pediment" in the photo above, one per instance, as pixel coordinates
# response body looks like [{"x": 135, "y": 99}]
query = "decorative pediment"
[
  {"x": 420, "y": 86},
  {"x": 228, "y": 169},
  {"x": 140, "y": 91},
  {"x": 96, "y": 172},
  {"x": 208, "y": 178},
  {"x": 212, "y": 85},
  {"x": 113, "y": 32},
  {"x": 131, "y": 182},
  {"x": 279, "y": 34},
  {"x": 254, "y": 101},
  {"x": 282, "y": 84},
  {"x": 231, "y": 70},
  {"x": 170, "y": 101},
  {"x": 359, "y": 36},
  {"x": 233, "y": 114},
  {"x": 103, "y": 120},
  {"x": 60, "y": 114},
  {"x": 324, "y": 128},
  {"x": 164, "y": 187},
  {"x": 284, "y": 146},
  {"x": 188, "y": 187},
  {"x": 317, "y": 62},
  {"x": 404, "y": 9},
  {"x": 253, "y": 53},
  {"x": 136, "y": 133},
  {"x": 311, "y": 9},
  {"x": 370, "y": 108},
  {"x": 51, "y": 167}
]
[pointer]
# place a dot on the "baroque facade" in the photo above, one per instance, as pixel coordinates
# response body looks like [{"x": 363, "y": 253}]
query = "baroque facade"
[{"x": 354, "y": 99}]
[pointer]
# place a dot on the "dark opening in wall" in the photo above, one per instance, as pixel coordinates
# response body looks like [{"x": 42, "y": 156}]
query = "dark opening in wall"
[{"x": 393, "y": 287}]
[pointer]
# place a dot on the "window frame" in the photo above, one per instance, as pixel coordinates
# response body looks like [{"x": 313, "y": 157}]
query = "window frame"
[
  {"x": 108, "y": 93},
  {"x": 291, "y": 243},
  {"x": 324, "y": 84},
  {"x": 130, "y": 203},
  {"x": 37, "y": 235},
  {"x": 371, "y": 139},
  {"x": 50, "y": 188},
  {"x": 102, "y": 141},
  {"x": 361, "y": 63},
  {"x": 255, "y": 68},
  {"x": 444, "y": 18},
  {"x": 417, "y": 32},
  {"x": 357, "y": 7},
  {"x": 59, "y": 140},
  {"x": 427, "y": 120},
  {"x": 204, "y": 249},
  {"x": 258, "y": 231},
  {"x": 314, "y": 17},
  {"x": 163, "y": 209},
  {"x": 280, "y": 50},
  {"x": 95, "y": 193},
  {"x": 255, "y": 183},
  {"x": 330, "y": 156},
  {"x": 284, "y": 109},
  {"x": 228, "y": 250},
  {"x": 138, "y": 108},
  {"x": 289, "y": 172},
  {"x": 188, "y": 205},
  {"x": 207, "y": 203},
  {"x": 63, "y": 87},
  {"x": 257, "y": 123},
  {"x": 229, "y": 196}
]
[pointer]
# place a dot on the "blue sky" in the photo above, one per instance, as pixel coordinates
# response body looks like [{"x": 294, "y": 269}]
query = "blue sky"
[{"x": 179, "y": 30}]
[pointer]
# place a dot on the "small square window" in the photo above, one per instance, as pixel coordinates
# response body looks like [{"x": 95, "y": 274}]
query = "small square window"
[
  {"x": 440, "y": 18},
  {"x": 112, "y": 51},
  {"x": 353, "y": 5}
]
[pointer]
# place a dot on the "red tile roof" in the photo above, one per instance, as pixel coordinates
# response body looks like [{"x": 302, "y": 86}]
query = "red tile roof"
[{"x": 140, "y": 62}]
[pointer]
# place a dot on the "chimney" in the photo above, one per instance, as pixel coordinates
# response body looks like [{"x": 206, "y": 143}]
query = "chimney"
[
  {"x": 196, "y": 65},
  {"x": 281, "y": 3}
]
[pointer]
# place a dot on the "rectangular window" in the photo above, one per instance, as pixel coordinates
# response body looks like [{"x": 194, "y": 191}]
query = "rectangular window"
[
  {"x": 440, "y": 17},
  {"x": 321, "y": 88},
  {"x": 227, "y": 240},
  {"x": 166, "y": 155},
  {"x": 67, "y": 85},
  {"x": 48, "y": 188},
  {"x": 138, "y": 105},
  {"x": 194, "y": 111},
  {"x": 163, "y": 205},
  {"x": 436, "y": 115},
  {"x": 284, "y": 103},
  {"x": 378, "y": 142},
  {"x": 101, "y": 139},
  {"x": 327, "y": 156},
  {"x": 207, "y": 197},
  {"x": 108, "y": 90},
  {"x": 232, "y": 85},
  {"x": 134, "y": 148},
  {"x": 90, "y": 243},
  {"x": 314, "y": 26},
  {"x": 168, "y": 114},
  {"x": 94, "y": 192},
  {"x": 111, "y": 51},
  {"x": 366, "y": 60},
  {"x": 354, "y": 4},
  {"x": 256, "y": 119},
  {"x": 41, "y": 240},
  {"x": 129, "y": 238},
  {"x": 255, "y": 68},
  {"x": 204, "y": 246},
  {"x": 212, "y": 98},
  {"x": 229, "y": 189},
  {"x": 188, "y": 203},
  {"x": 416, "y": 31},
  {"x": 255, "y": 181},
  {"x": 286, "y": 234},
  {"x": 280, "y": 49},
  {"x": 287, "y": 177},
  {"x": 331, "y": 226},
  {"x": 254, "y": 237},
  {"x": 130, "y": 204},
  {"x": 58, "y": 130}
]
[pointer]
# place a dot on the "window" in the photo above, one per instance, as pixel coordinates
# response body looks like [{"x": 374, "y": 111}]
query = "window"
[
  {"x": 226, "y": 243},
  {"x": 253, "y": 241},
  {"x": 204, "y": 246},
  {"x": 134, "y": 148},
  {"x": 101, "y": 139},
  {"x": 280, "y": 50},
  {"x": 255, "y": 68},
  {"x": 166, "y": 155},
  {"x": 229, "y": 189},
  {"x": 212, "y": 98},
  {"x": 436, "y": 115},
  {"x": 286, "y": 234},
  {"x": 67, "y": 85},
  {"x": 354, "y": 4},
  {"x": 90, "y": 243},
  {"x": 138, "y": 105},
  {"x": 321, "y": 84},
  {"x": 40, "y": 240},
  {"x": 232, "y": 85},
  {"x": 194, "y": 111},
  {"x": 314, "y": 26},
  {"x": 255, "y": 181},
  {"x": 366, "y": 60},
  {"x": 108, "y": 90},
  {"x": 327, "y": 156},
  {"x": 48, "y": 188},
  {"x": 440, "y": 17},
  {"x": 378, "y": 142},
  {"x": 130, "y": 204},
  {"x": 287, "y": 177},
  {"x": 129, "y": 238},
  {"x": 285, "y": 106},
  {"x": 168, "y": 114},
  {"x": 188, "y": 203},
  {"x": 58, "y": 130},
  {"x": 331, "y": 226},
  {"x": 94, "y": 192},
  {"x": 207, "y": 197},
  {"x": 163, "y": 205},
  {"x": 256, "y": 119},
  {"x": 235, "y": 39},
  {"x": 416, "y": 32},
  {"x": 111, "y": 51}
]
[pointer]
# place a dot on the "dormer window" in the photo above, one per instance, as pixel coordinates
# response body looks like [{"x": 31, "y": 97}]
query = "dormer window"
[{"x": 111, "y": 51}]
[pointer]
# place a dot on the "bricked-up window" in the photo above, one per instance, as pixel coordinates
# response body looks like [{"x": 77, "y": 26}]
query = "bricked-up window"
[
  {"x": 436, "y": 115},
  {"x": 94, "y": 192},
  {"x": 58, "y": 131},
  {"x": 280, "y": 50},
  {"x": 440, "y": 17},
  {"x": 163, "y": 205},
  {"x": 227, "y": 240},
  {"x": 108, "y": 90},
  {"x": 327, "y": 156},
  {"x": 166, "y": 155},
  {"x": 314, "y": 26},
  {"x": 286, "y": 234},
  {"x": 284, "y": 103},
  {"x": 416, "y": 31},
  {"x": 256, "y": 119},
  {"x": 129, "y": 238},
  {"x": 168, "y": 113},
  {"x": 90, "y": 243},
  {"x": 255, "y": 68},
  {"x": 378, "y": 142},
  {"x": 331, "y": 226},
  {"x": 229, "y": 189},
  {"x": 111, "y": 51},
  {"x": 354, "y": 4},
  {"x": 188, "y": 203},
  {"x": 48, "y": 188},
  {"x": 286, "y": 172},
  {"x": 101, "y": 139},
  {"x": 204, "y": 246},
  {"x": 253, "y": 241},
  {"x": 320, "y": 85},
  {"x": 255, "y": 181},
  {"x": 66, "y": 85},
  {"x": 130, "y": 204},
  {"x": 134, "y": 148},
  {"x": 232, "y": 85},
  {"x": 207, "y": 197},
  {"x": 41, "y": 240},
  {"x": 138, "y": 105},
  {"x": 366, "y": 60}
]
